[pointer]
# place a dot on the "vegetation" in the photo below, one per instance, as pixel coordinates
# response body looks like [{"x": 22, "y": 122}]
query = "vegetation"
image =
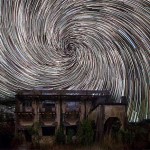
[
  {"x": 85, "y": 133},
  {"x": 69, "y": 137},
  {"x": 8, "y": 102},
  {"x": 6, "y": 134},
  {"x": 34, "y": 132},
  {"x": 17, "y": 140},
  {"x": 126, "y": 136},
  {"x": 135, "y": 136},
  {"x": 60, "y": 136}
]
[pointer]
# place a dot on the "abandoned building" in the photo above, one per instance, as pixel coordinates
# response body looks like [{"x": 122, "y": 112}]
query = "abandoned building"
[{"x": 52, "y": 108}]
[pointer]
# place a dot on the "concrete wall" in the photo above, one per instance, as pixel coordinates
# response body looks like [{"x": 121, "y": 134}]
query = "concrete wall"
[
  {"x": 36, "y": 107},
  {"x": 99, "y": 115},
  {"x": 118, "y": 111},
  {"x": 103, "y": 112}
]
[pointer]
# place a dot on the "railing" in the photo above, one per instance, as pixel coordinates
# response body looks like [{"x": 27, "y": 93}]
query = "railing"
[
  {"x": 47, "y": 116},
  {"x": 70, "y": 116},
  {"x": 26, "y": 114}
]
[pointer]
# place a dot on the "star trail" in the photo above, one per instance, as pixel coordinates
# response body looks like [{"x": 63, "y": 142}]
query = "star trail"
[{"x": 78, "y": 44}]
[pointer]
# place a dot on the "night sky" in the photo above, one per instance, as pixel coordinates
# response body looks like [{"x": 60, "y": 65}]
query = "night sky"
[{"x": 77, "y": 44}]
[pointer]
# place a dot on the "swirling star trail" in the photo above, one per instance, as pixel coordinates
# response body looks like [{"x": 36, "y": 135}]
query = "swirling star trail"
[{"x": 78, "y": 44}]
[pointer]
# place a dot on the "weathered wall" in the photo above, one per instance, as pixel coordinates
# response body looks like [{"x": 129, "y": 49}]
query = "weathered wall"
[{"x": 118, "y": 111}]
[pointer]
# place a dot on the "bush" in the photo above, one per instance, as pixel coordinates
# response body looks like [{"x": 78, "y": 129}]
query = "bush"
[
  {"x": 60, "y": 136},
  {"x": 109, "y": 143},
  {"x": 6, "y": 135},
  {"x": 17, "y": 140},
  {"x": 34, "y": 132},
  {"x": 127, "y": 136},
  {"x": 69, "y": 137},
  {"x": 85, "y": 133}
]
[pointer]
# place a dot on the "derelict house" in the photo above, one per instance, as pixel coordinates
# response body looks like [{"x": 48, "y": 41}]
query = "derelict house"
[{"x": 52, "y": 108}]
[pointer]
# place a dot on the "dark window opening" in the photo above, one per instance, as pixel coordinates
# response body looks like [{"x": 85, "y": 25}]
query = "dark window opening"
[
  {"x": 72, "y": 129},
  {"x": 112, "y": 124},
  {"x": 49, "y": 106},
  {"x": 72, "y": 106},
  {"x": 27, "y": 136},
  {"x": 48, "y": 131},
  {"x": 27, "y": 104}
]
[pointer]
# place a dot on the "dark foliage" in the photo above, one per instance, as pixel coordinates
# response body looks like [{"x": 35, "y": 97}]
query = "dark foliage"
[
  {"x": 85, "y": 133},
  {"x": 60, "y": 136},
  {"x": 6, "y": 134}
]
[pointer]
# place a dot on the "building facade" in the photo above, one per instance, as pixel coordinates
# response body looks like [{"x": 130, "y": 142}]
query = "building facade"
[{"x": 53, "y": 108}]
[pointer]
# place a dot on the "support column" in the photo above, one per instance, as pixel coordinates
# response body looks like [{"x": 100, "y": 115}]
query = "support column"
[
  {"x": 58, "y": 114},
  {"x": 35, "y": 110},
  {"x": 17, "y": 109},
  {"x": 61, "y": 111},
  {"x": 85, "y": 115},
  {"x": 82, "y": 113},
  {"x": 100, "y": 123}
]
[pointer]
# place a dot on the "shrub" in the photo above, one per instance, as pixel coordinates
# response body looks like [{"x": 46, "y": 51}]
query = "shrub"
[
  {"x": 69, "y": 137},
  {"x": 34, "y": 132},
  {"x": 17, "y": 140},
  {"x": 85, "y": 133},
  {"x": 127, "y": 136},
  {"x": 60, "y": 136},
  {"x": 6, "y": 135},
  {"x": 109, "y": 143}
]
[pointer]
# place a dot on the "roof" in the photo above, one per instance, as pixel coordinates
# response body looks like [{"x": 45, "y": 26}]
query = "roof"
[{"x": 64, "y": 92}]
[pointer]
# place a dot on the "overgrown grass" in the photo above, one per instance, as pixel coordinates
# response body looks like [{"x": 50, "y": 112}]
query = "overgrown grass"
[{"x": 70, "y": 147}]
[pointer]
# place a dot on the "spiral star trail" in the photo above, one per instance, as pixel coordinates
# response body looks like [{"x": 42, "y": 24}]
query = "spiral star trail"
[{"x": 78, "y": 44}]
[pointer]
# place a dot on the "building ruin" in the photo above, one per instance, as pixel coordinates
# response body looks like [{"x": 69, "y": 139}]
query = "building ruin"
[{"x": 52, "y": 108}]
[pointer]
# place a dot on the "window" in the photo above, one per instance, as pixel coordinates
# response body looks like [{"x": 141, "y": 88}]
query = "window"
[
  {"x": 72, "y": 106},
  {"x": 48, "y": 131},
  {"x": 27, "y": 104},
  {"x": 48, "y": 105}
]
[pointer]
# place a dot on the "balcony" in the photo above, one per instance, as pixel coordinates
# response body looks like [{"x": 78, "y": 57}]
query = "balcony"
[
  {"x": 47, "y": 115},
  {"x": 71, "y": 116},
  {"x": 26, "y": 113}
]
